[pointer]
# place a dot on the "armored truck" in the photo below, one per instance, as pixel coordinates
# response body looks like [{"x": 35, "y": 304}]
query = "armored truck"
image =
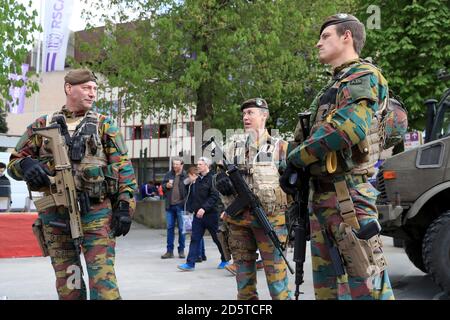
[{"x": 414, "y": 204}]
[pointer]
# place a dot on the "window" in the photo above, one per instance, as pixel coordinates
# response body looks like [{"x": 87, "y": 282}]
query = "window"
[
  {"x": 445, "y": 129},
  {"x": 137, "y": 133},
  {"x": 147, "y": 132},
  {"x": 163, "y": 130},
  {"x": 134, "y": 133},
  {"x": 129, "y": 133},
  {"x": 190, "y": 128}
]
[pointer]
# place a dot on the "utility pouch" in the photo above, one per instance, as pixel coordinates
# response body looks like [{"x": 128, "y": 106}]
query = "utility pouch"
[
  {"x": 77, "y": 148},
  {"x": 92, "y": 181},
  {"x": 361, "y": 153},
  {"x": 111, "y": 174},
  {"x": 222, "y": 235},
  {"x": 39, "y": 234},
  {"x": 363, "y": 258},
  {"x": 85, "y": 204},
  {"x": 268, "y": 198}
]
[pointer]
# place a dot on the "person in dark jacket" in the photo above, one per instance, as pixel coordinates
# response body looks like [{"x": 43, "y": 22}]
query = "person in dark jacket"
[
  {"x": 192, "y": 173},
  {"x": 149, "y": 190},
  {"x": 203, "y": 203},
  {"x": 175, "y": 193},
  {"x": 5, "y": 187}
]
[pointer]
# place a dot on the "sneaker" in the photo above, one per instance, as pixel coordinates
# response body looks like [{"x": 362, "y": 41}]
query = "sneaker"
[
  {"x": 222, "y": 265},
  {"x": 167, "y": 255},
  {"x": 204, "y": 258},
  {"x": 232, "y": 268},
  {"x": 199, "y": 259},
  {"x": 181, "y": 255},
  {"x": 185, "y": 267},
  {"x": 259, "y": 265}
]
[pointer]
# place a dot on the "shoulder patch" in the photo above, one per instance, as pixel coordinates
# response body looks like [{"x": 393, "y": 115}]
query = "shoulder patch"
[
  {"x": 355, "y": 82},
  {"x": 361, "y": 88}
]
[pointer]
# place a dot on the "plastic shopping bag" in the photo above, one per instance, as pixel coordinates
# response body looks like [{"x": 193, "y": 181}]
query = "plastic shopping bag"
[{"x": 187, "y": 222}]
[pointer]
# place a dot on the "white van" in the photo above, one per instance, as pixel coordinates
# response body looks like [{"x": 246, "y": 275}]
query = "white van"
[{"x": 20, "y": 197}]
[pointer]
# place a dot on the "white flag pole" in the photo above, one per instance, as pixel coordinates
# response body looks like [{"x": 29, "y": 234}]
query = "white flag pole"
[{"x": 39, "y": 57}]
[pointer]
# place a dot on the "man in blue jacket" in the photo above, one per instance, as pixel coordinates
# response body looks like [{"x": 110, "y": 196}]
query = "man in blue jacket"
[{"x": 203, "y": 203}]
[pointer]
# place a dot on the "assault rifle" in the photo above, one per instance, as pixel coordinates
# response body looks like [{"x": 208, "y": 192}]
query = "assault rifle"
[
  {"x": 62, "y": 189},
  {"x": 300, "y": 218},
  {"x": 246, "y": 199}
]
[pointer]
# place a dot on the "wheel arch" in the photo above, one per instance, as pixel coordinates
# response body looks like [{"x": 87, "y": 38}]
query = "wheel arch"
[{"x": 430, "y": 196}]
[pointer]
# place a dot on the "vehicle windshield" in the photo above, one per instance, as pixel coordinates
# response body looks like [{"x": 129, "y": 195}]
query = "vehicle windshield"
[{"x": 443, "y": 120}]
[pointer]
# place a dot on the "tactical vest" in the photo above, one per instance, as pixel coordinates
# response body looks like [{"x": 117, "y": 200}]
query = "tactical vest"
[
  {"x": 261, "y": 173},
  {"x": 361, "y": 158},
  {"x": 92, "y": 173}
]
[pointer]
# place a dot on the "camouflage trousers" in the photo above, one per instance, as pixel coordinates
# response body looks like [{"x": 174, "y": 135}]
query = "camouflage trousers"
[
  {"x": 325, "y": 216},
  {"x": 244, "y": 242},
  {"x": 98, "y": 249}
]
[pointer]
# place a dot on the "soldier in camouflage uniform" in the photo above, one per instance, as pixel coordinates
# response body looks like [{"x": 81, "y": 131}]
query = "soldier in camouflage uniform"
[
  {"x": 102, "y": 171},
  {"x": 258, "y": 156},
  {"x": 344, "y": 125}
]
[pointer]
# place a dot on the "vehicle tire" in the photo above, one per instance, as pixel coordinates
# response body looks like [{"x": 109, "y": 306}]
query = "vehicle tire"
[
  {"x": 436, "y": 251},
  {"x": 413, "y": 250},
  {"x": 398, "y": 243}
]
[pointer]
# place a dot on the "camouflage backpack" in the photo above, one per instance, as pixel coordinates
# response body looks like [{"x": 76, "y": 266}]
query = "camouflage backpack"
[
  {"x": 393, "y": 119},
  {"x": 393, "y": 123}
]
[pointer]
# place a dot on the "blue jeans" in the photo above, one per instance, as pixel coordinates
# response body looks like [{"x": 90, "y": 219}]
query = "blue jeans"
[{"x": 174, "y": 214}]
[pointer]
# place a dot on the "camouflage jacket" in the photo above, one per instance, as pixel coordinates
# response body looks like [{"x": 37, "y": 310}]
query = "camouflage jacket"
[
  {"x": 358, "y": 96},
  {"x": 111, "y": 139}
]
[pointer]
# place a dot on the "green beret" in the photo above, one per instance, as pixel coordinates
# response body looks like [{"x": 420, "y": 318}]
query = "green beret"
[
  {"x": 255, "y": 103},
  {"x": 79, "y": 76},
  {"x": 337, "y": 19}
]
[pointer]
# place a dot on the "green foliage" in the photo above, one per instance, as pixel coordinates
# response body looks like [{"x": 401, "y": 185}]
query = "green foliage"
[
  {"x": 16, "y": 35},
  {"x": 212, "y": 54},
  {"x": 412, "y": 44}
]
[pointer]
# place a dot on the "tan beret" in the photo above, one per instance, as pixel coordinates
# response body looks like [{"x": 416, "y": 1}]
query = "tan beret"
[
  {"x": 255, "y": 103},
  {"x": 79, "y": 76}
]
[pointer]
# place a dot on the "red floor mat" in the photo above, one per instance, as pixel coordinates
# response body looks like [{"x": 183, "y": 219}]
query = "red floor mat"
[{"x": 16, "y": 236}]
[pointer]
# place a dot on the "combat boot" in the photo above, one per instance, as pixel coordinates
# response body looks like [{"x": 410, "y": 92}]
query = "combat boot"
[{"x": 232, "y": 268}]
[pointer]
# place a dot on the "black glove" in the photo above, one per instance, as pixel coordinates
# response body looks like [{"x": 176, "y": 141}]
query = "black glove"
[
  {"x": 121, "y": 220},
  {"x": 34, "y": 174},
  {"x": 288, "y": 182},
  {"x": 224, "y": 185}
]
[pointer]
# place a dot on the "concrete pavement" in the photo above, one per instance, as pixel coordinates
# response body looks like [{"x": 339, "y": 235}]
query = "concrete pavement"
[{"x": 142, "y": 274}]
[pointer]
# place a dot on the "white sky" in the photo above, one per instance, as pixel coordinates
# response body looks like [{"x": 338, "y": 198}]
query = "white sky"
[{"x": 76, "y": 22}]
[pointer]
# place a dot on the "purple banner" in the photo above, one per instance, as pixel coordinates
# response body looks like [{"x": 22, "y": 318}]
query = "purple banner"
[{"x": 17, "y": 104}]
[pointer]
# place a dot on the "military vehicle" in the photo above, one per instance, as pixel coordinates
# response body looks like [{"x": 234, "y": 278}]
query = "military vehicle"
[{"x": 414, "y": 204}]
